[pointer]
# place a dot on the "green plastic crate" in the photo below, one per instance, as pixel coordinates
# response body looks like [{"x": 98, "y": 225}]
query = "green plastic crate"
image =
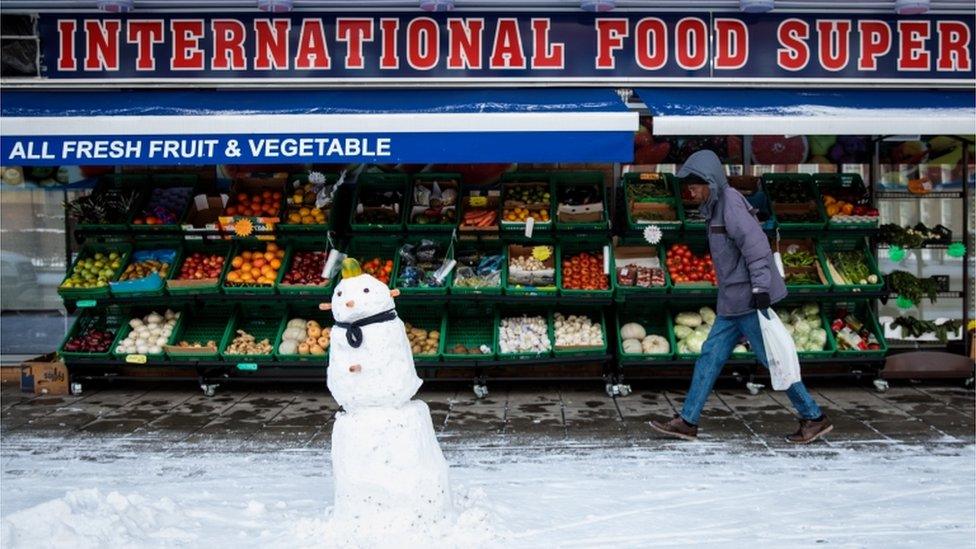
[
  {"x": 199, "y": 287},
  {"x": 770, "y": 180},
  {"x": 698, "y": 247},
  {"x": 510, "y": 312},
  {"x": 623, "y": 292},
  {"x": 363, "y": 248},
  {"x": 174, "y": 245},
  {"x": 203, "y": 324},
  {"x": 125, "y": 183},
  {"x": 304, "y": 245},
  {"x": 630, "y": 179},
  {"x": 840, "y": 244},
  {"x": 862, "y": 311},
  {"x": 108, "y": 320},
  {"x": 167, "y": 230},
  {"x": 517, "y": 228},
  {"x": 656, "y": 321},
  {"x": 596, "y": 315},
  {"x": 426, "y": 318},
  {"x": 673, "y": 312},
  {"x": 826, "y": 182},
  {"x": 491, "y": 247},
  {"x": 514, "y": 289},
  {"x": 318, "y": 229},
  {"x": 812, "y": 246},
  {"x": 471, "y": 325},
  {"x": 695, "y": 225},
  {"x": 564, "y": 180},
  {"x": 570, "y": 248},
  {"x": 262, "y": 322},
  {"x": 384, "y": 182},
  {"x": 125, "y": 329},
  {"x": 325, "y": 320},
  {"x": 444, "y": 243},
  {"x": 241, "y": 246},
  {"x": 86, "y": 252},
  {"x": 428, "y": 179}
]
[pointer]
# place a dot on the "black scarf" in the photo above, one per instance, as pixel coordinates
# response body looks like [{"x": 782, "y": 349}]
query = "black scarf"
[{"x": 354, "y": 330}]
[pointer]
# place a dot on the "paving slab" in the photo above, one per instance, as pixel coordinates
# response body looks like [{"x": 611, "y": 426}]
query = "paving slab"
[
  {"x": 880, "y": 414},
  {"x": 944, "y": 419},
  {"x": 846, "y": 427},
  {"x": 480, "y": 417},
  {"x": 535, "y": 414},
  {"x": 589, "y": 412},
  {"x": 69, "y": 417},
  {"x": 245, "y": 417}
]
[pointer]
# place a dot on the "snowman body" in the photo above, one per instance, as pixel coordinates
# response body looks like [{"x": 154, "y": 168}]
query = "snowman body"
[{"x": 390, "y": 474}]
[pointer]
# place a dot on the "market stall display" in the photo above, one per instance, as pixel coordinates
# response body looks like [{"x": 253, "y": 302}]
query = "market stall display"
[
  {"x": 163, "y": 208},
  {"x": 480, "y": 209},
  {"x": 809, "y": 328},
  {"x": 855, "y": 329},
  {"x": 851, "y": 266},
  {"x": 103, "y": 209},
  {"x": 201, "y": 269},
  {"x": 531, "y": 270},
  {"x": 148, "y": 270},
  {"x": 424, "y": 327},
  {"x": 252, "y": 333},
  {"x": 91, "y": 335},
  {"x": 200, "y": 334}
]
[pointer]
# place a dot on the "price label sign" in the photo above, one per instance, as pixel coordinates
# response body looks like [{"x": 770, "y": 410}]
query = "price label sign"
[
  {"x": 136, "y": 359},
  {"x": 85, "y": 303},
  {"x": 247, "y": 367},
  {"x": 479, "y": 201}
]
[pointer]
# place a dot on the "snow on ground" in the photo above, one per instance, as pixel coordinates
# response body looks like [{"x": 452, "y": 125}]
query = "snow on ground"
[{"x": 102, "y": 494}]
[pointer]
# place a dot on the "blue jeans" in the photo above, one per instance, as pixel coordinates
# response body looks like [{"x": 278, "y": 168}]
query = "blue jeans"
[{"x": 717, "y": 349}]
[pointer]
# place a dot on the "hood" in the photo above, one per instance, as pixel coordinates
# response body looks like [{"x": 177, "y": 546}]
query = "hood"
[{"x": 706, "y": 165}]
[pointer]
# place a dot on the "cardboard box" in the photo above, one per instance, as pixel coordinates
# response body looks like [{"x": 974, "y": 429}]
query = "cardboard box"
[
  {"x": 586, "y": 213},
  {"x": 204, "y": 213},
  {"x": 476, "y": 201},
  {"x": 44, "y": 375}
]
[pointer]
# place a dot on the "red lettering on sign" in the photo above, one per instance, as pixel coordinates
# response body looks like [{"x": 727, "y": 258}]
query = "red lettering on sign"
[
  {"x": 313, "y": 52},
  {"x": 506, "y": 51},
  {"x": 389, "y": 58},
  {"x": 912, "y": 55},
  {"x": 610, "y": 34},
  {"x": 144, "y": 33},
  {"x": 464, "y": 42},
  {"x": 186, "y": 53},
  {"x": 731, "y": 44},
  {"x": 66, "y": 51},
  {"x": 228, "y": 45},
  {"x": 354, "y": 32},
  {"x": 875, "y": 42},
  {"x": 423, "y": 43},
  {"x": 651, "y": 43},
  {"x": 691, "y": 43},
  {"x": 546, "y": 55},
  {"x": 834, "y": 43},
  {"x": 271, "y": 44},
  {"x": 795, "y": 53},
  {"x": 102, "y": 44},
  {"x": 954, "y": 54}
]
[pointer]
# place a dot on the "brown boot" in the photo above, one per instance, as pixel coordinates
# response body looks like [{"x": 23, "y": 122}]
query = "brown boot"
[
  {"x": 676, "y": 428},
  {"x": 810, "y": 430}
]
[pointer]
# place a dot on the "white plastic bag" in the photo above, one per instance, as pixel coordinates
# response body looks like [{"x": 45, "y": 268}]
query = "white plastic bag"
[{"x": 781, "y": 357}]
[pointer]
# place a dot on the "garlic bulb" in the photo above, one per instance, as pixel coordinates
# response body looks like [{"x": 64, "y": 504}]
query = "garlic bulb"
[
  {"x": 576, "y": 331},
  {"x": 524, "y": 334}
]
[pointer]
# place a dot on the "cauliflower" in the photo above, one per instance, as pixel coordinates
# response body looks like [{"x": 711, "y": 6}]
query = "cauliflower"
[{"x": 689, "y": 319}]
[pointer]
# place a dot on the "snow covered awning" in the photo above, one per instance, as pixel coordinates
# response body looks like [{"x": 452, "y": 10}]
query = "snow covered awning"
[
  {"x": 683, "y": 111},
  {"x": 289, "y": 126}
]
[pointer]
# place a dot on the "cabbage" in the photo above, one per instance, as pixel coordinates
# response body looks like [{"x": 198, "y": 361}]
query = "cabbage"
[
  {"x": 801, "y": 327},
  {"x": 800, "y": 340},
  {"x": 703, "y": 330},
  {"x": 682, "y": 332},
  {"x": 708, "y": 315},
  {"x": 789, "y": 328},
  {"x": 683, "y": 347},
  {"x": 740, "y": 348},
  {"x": 689, "y": 319},
  {"x": 819, "y": 336},
  {"x": 811, "y": 309},
  {"x": 695, "y": 342}
]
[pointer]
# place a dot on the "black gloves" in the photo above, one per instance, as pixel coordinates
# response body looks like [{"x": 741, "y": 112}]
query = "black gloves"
[{"x": 761, "y": 300}]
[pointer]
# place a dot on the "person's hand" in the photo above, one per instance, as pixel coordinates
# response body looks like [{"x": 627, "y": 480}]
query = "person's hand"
[{"x": 761, "y": 300}]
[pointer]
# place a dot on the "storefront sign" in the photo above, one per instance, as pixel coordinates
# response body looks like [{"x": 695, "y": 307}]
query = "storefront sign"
[{"x": 570, "y": 47}]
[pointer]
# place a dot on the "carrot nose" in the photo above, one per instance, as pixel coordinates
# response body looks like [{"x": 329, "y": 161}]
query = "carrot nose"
[{"x": 350, "y": 304}]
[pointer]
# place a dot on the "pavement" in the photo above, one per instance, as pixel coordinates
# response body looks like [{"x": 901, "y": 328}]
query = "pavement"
[{"x": 252, "y": 418}]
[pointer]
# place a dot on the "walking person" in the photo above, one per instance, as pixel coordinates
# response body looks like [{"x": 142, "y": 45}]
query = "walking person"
[{"x": 747, "y": 282}]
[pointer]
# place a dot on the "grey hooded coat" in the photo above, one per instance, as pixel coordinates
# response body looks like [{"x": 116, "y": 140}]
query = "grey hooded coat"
[{"x": 740, "y": 250}]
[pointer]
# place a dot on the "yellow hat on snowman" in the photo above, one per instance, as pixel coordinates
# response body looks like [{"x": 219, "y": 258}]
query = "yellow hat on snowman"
[{"x": 350, "y": 268}]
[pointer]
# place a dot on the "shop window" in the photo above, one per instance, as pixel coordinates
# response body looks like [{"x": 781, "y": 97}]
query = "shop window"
[
  {"x": 811, "y": 154},
  {"x": 19, "y": 54},
  {"x": 667, "y": 153},
  {"x": 934, "y": 162}
]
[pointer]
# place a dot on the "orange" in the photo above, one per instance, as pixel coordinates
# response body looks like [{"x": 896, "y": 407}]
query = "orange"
[
  {"x": 280, "y": 254},
  {"x": 275, "y": 263},
  {"x": 272, "y": 247},
  {"x": 237, "y": 262},
  {"x": 233, "y": 277},
  {"x": 246, "y": 254},
  {"x": 255, "y": 272},
  {"x": 259, "y": 262},
  {"x": 268, "y": 256}
]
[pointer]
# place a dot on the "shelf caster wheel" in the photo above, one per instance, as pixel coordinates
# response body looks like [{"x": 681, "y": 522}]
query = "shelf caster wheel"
[
  {"x": 754, "y": 388},
  {"x": 881, "y": 385},
  {"x": 968, "y": 384},
  {"x": 617, "y": 390},
  {"x": 624, "y": 390},
  {"x": 480, "y": 390},
  {"x": 75, "y": 388},
  {"x": 209, "y": 390}
]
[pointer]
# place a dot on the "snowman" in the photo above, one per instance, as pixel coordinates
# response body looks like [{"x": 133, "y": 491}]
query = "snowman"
[{"x": 389, "y": 472}]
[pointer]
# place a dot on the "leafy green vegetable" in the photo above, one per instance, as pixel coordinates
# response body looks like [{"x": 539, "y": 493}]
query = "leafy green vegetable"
[
  {"x": 910, "y": 287},
  {"x": 914, "y": 328},
  {"x": 800, "y": 258}
]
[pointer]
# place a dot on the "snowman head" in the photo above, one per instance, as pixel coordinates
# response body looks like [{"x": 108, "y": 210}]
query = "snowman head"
[{"x": 359, "y": 295}]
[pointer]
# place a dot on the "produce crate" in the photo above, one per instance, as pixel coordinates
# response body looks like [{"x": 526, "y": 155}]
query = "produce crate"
[
  {"x": 581, "y": 218},
  {"x": 815, "y": 204},
  {"x": 656, "y": 321},
  {"x": 512, "y": 287},
  {"x": 570, "y": 248},
  {"x": 325, "y": 320},
  {"x": 125, "y": 329},
  {"x": 88, "y": 251},
  {"x": 364, "y": 248},
  {"x": 660, "y": 205},
  {"x": 304, "y": 245},
  {"x": 445, "y": 251},
  {"x": 160, "y": 229},
  {"x": 287, "y": 224},
  {"x": 471, "y": 325},
  {"x": 208, "y": 286},
  {"x": 109, "y": 320},
  {"x": 818, "y": 269},
  {"x": 481, "y": 198},
  {"x": 699, "y": 248},
  {"x": 839, "y": 244},
  {"x": 444, "y": 181},
  {"x": 428, "y": 318},
  {"x": 203, "y": 324},
  {"x": 107, "y": 186},
  {"x": 689, "y": 223},
  {"x": 596, "y": 315},
  {"x": 672, "y": 313},
  {"x": 831, "y": 345},
  {"x": 154, "y": 284},
  {"x": 380, "y": 182},
  {"x": 625, "y": 251},
  {"x": 508, "y": 312},
  {"x": 846, "y": 185},
  {"x": 254, "y": 289},
  {"x": 862, "y": 311},
  {"x": 493, "y": 247},
  {"x": 262, "y": 322},
  {"x": 515, "y": 180},
  {"x": 238, "y": 225}
]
